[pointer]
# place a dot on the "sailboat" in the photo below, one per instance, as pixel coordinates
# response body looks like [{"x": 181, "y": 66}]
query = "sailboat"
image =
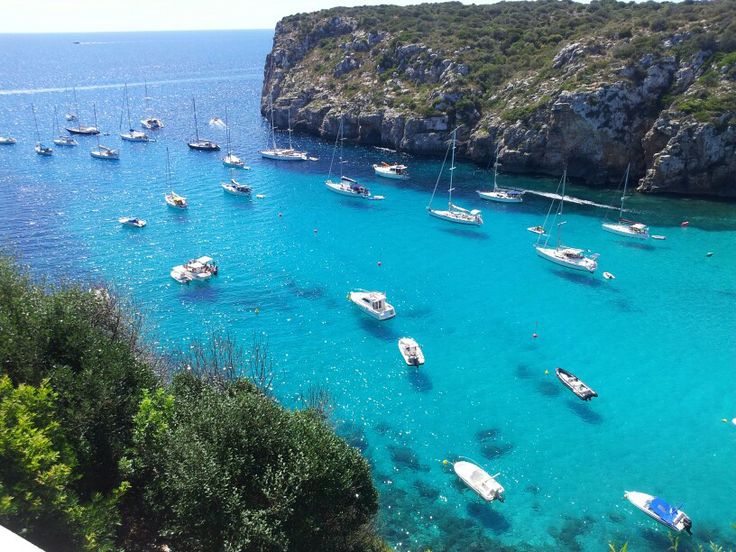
[
  {"x": 70, "y": 115},
  {"x": 282, "y": 154},
  {"x": 453, "y": 213},
  {"x": 624, "y": 227},
  {"x": 563, "y": 255},
  {"x": 231, "y": 160},
  {"x": 197, "y": 144},
  {"x": 346, "y": 186},
  {"x": 61, "y": 139},
  {"x": 150, "y": 122},
  {"x": 173, "y": 199},
  {"x": 103, "y": 152},
  {"x": 132, "y": 135},
  {"x": 79, "y": 129},
  {"x": 40, "y": 148},
  {"x": 502, "y": 195}
]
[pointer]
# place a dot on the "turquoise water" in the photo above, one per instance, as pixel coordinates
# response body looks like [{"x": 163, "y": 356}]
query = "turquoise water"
[{"x": 657, "y": 343}]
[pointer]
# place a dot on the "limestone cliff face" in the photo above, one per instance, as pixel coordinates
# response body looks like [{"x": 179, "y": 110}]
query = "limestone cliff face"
[{"x": 583, "y": 107}]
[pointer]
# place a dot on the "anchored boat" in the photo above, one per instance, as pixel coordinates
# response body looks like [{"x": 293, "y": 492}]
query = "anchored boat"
[
  {"x": 501, "y": 195},
  {"x": 411, "y": 351},
  {"x": 373, "y": 303},
  {"x": 197, "y": 143},
  {"x": 236, "y": 188},
  {"x": 282, "y": 154},
  {"x": 195, "y": 270},
  {"x": 133, "y": 222},
  {"x": 574, "y": 384},
  {"x": 479, "y": 481},
  {"x": 661, "y": 511},
  {"x": 624, "y": 227},
  {"x": 396, "y": 171}
]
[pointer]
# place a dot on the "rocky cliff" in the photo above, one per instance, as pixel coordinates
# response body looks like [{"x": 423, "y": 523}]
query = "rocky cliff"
[{"x": 591, "y": 86}]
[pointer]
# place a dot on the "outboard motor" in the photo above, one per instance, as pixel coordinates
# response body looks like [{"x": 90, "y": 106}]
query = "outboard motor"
[{"x": 687, "y": 523}]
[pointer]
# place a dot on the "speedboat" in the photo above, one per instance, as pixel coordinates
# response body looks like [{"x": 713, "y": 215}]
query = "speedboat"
[
  {"x": 574, "y": 384},
  {"x": 43, "y": 150},
  {"x": 396, "y": 172},
  {"x": 349, "y": 187},
  {"x": 134, "y": 222},
  {"x": 103, "y": 152},
  {"x": 152, "y": 123},
  {"x": 660, "y": 510},
  {"x": 195, "y": 270},
  {"x": 373, "y": 303},
  {"x": 135, "y": 136},
  {"x": 7, "y": 141},
  {"x": 281, "y": 154},
  {"x": 569, "y": 257},
  {"x": 479, "y": 481},
  {"x": 627, "y": 228},
  {"x": 232, "y": 160},
  {"x": 176, "y": 201},
  {"x": 455, "y": 213},
  {"x": 236, "y": 188},
  {"x": 411, "y": 351},
  {"x": 65, "y": 141},
  {"x": 537, "y": 229}
]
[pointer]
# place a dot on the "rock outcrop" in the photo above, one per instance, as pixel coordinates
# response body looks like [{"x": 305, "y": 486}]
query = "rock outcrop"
[{"x": 593, "y": 104}]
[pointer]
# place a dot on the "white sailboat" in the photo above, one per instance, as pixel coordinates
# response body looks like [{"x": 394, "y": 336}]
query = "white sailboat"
[
  {"x": 40, "y": 148},
  {"x": 563, "y": 255},
  {"x": 624, "y": 227},
  {"x": 80, "y": 129},
  {"x": 103, "y": 152},
  {"x": 282, "y": 154},
  {"x": 150, "y": 122},
  {"x": 71, "y": 114},
  {"x": 62, "y": 139},
  {"x": 346, "y": 186},
  {"x": 236, "y": 188},
  {"x": 132, "y": 135},
  {"x": 501, "y": 195},
  {"x": 197, "y": 143},
  {"x": 173, "y": 199},
  {"x": 453, "y": 213},
  {"x": 231, "y": 160}
]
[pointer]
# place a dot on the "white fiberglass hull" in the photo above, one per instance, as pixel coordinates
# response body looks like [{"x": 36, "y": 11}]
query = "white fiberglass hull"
[
  {"x": 174, "y": 205},
  {"x": 410, "y": 350},
  {"x": 108, "y": 155},
  {"x": 624, "y": 230},
  {"x": 479, "y": 481},
  {"x": 135, "y": 136},
  {"x": 359, "y": 298},
  {"x": 458, "y": 218},
  {"x": 152, "y": 124},
  {"x": 552, "y": 254},
  {"x": 387, "y": 173},
  {"x": 284, "y": 155},
  {"x": 230, "y": 189},
  {"x": 44, "y": 151},
  {"x": 65, "y": 142},
  {"x": 500, "y": 197},
  {"x": 642, "y": 502},
  {"x": 346, "y": 190}
]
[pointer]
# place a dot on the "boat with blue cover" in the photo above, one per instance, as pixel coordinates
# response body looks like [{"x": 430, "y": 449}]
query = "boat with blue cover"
[{"x": 661, "y": 511}]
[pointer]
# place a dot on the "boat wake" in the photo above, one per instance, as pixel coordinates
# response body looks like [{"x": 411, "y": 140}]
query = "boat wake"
[{"x": 571, "y": 199}]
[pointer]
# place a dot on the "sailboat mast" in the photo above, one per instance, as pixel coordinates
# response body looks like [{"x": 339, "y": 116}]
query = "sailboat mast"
[
  {"x": 562, "y": 204},
  {"x": 227, "y": 133},
  {"x": 35, "y": 122},
  {"x": 623, "y": 197},
  {"x": 57, "y": 130},
  {"x": 495, "y": 171},
  {"x": 196, "y": 129},
  {"x": 342, "y": 141},
  {"x": 127, "y": 107},
  {"x": 76, "y": 108},
  {"x": 452, "y": 170},
  {"x": 288, "y": 118},
  {"x": 94, "y": 109},
  {"x": 273, "y": 127}
]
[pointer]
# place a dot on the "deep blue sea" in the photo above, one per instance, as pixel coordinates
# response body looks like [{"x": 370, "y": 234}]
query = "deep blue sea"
[{"x": 657, "y": 343}]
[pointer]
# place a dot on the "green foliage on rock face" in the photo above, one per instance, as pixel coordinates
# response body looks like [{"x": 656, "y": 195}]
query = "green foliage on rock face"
[{"x": 97, "y": 454}]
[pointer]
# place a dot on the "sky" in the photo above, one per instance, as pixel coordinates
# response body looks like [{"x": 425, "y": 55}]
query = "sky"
[{"x": 68, "y": 16}]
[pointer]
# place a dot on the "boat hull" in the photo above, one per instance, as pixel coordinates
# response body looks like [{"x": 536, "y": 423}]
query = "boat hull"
[
  {"x": 89, "y": 131},
  {"x": 410, "y": 350},
  {"x": 233, "y": 191},
  {"x": 642, "y": 502},
  {"x": 549, "y": 254},
  {"x": 582, "y": 391},
  {"x": 357, "y": 299},
  {"x": 135, "y": 138},
  {"x": 479, "y": 481},
  {"x": 624, "y": 230},
  {"x": 105, "y": 156},
  {"x": 277, "y": 156},
  {"x": 447, "y": 215},
  {"x": 499, "y": 198},
  {"x": 379, "y": 171},
  {"x": 63, "y": 142}
]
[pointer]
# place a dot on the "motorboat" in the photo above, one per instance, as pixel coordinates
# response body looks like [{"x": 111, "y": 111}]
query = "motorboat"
[
  {"x": 282, "y": 154},
  {"x": 569, "y": 257},
  {"x": 236, "y": 188},
  {"x": 411, "y": 351},
  {"x": 65, "y": 141},
  {"x": 195, "y": 270},
  {"x": 661, "y": 511},
  {"x": 373, "y": 303},
  {"x": 133, "y": 222},
  {"x": 498, "y": 194},
  {"x": 563, "y": 255},
  {"x": 40, "y": 149},
  {"x": 475, "y": 477},
  {"x": 176, "y": 201},
  {"x": 574, "y": 384},
  {"x": 536, "y": 229},
  {"x": 624, "y": 227},
  {"x": 103, "y": 152},
  {"x": 349, "y": 187},
  {"x": 233, "y": 161},
  {"x": 7, "y": 141},
  {"x": 454, "y": 213},
  {"x": 132, "y": 135},
  {"x": 395, "y": 171},
  {"x": 198, "y": 143},
  {"x": 152, "y": 123}
]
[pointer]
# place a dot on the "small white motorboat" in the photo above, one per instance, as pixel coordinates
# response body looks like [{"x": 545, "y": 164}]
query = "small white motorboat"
[
  {"x": 658, "y": 237},
  {"x": 571, "y": 381},
  {"x": 103, "y": 152},
  {"x": 65, "y": 141},
  {"x": 135, "y": 136},
  {"x": 43, "y": 150},
  {"x": 7, "y": 141},
  {"x": 479, "y": 481},
  {"x": 537, "y": 230},
  {"x": 661, "y": 511},
  {"x": 411, "y": 351},
  {"x": 373, "y": 303},
  {"x": 396, "y": 171},
  {"x": 133, "y": 222},
  {"x": 349, "y": 187},
  {"x": 195, "y": 270},
  {"x": 176, "y": 201},
  {"x": 236, "y": 188},
  {"x": 569, "y": 257},
  {"x": 233, "y": 161},
  {"x": 152, "y": 123}
]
